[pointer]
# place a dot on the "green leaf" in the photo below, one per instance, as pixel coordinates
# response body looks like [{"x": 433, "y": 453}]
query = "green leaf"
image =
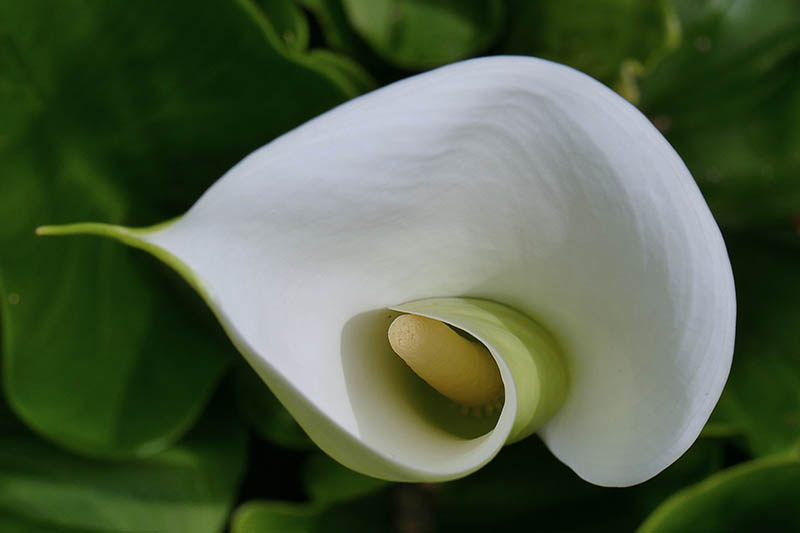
[
  {"x": 342, "y": 37},
  {"x": 729, "y": 102},
  {"x": 266, "y": 516},
  {"x": 14, "y": 524},
  {"x": 327, "y": 481},
  {"x": 369, "y": 514},
  {"x": 265, "y": 414},
  {"x": 760, "y": 495},
  {"x": 189, "y": 487},
  {"x": 288, "y": 21},
  {"x": 105, "y": 352},
  {"x": 286, "y": 27},
  {"x": 344, "y": 70},
  {"x": 341, "y": 500},
  {"x": 106, "y": 373},
  {"x": 418, "y": 34},
  {"x": 525, "y": 480},
  {"x": 614, "y": 41},
  {"x": 762, "y": 396}
]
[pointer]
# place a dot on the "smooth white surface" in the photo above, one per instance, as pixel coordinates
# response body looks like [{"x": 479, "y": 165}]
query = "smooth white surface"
[{"x": 512, "y": 179}]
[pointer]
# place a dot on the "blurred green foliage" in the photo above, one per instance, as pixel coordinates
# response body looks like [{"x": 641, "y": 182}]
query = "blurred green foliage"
[
  {"x": 126, "y": 409},
  {"x": 130, "y": 126},
  {"x": 188, "y": 487},
  {"x": 615, "y": 41},
  {"x": 757, "y": 496},
  {"x": 422, "y": 34},
  {"x": 761, "y": 402},
  {"x": 728, "y": 99},
  {"x": 340, "y": 500}
]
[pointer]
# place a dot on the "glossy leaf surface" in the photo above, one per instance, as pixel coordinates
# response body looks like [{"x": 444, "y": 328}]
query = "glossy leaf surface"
[
  {"x": 418, "y": 34},
  {"x": 729, "y": 101},
  {"x": 189, "y": 487},
  {"x": 103, "y": 352},
  {"x": 759, "y": 495}
]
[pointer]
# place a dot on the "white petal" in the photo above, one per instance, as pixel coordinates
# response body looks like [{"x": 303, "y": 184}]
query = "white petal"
[{"x": 511, "y": 179}]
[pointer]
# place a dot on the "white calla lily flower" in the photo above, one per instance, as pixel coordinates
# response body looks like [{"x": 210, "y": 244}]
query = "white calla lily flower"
[{"x": 515, "y": 199}]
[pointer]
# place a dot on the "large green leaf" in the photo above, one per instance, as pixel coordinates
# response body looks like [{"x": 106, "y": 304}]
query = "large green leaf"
[
  {"x": 124, "y": 112},
  {"x": 264, "y": 413},
  {"x": 729, "y": 101},
  {"x": 189, "y": 487},
  {"x": 327, "y": 482},
  {"x": 614, "y": 41},
  {"x": 340, "y": 500},
  {"x": 369, "y": 514},
  {"x": 419, "y": 34},
  {"x": 761, "y": 495},
  {"x": 525, "y": 481},
  {"x": 762, "y": 397}
]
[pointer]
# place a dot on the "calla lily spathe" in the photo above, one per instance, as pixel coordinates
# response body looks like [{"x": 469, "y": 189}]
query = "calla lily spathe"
[{"x": 508, "y": 179}]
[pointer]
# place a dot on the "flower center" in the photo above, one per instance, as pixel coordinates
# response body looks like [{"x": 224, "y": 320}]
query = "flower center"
[{"x": 458, "y": 368}]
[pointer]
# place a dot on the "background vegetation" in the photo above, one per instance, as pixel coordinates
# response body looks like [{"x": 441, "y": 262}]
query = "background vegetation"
[{"x": 124, "y": 406}]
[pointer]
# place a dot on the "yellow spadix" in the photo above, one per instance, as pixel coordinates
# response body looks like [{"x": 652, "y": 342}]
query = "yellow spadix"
[{"x": 462, "y": 370}]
